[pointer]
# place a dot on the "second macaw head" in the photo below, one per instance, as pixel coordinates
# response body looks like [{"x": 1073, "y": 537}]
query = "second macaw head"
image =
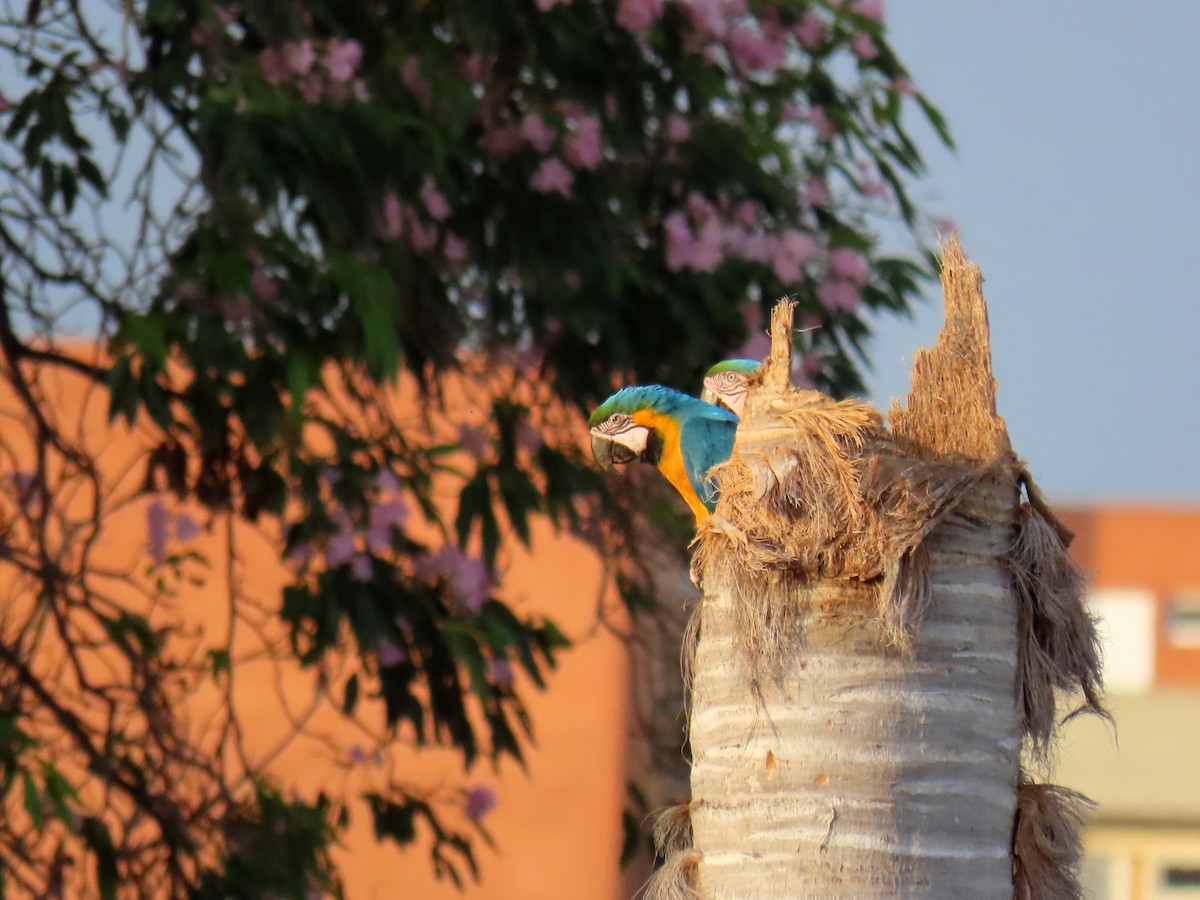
[
  {"x": 682, "y": 436},
  {"x": 727, "y": 383}
]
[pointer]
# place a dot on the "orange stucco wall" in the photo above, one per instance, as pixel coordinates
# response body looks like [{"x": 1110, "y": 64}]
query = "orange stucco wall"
[
  {"x": 556, "y": 824},
  {"x": 1151, "y": 547}
]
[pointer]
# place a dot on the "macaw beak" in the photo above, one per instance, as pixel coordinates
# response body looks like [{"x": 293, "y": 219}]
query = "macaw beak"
[
  {"x": 610, "y": 453},
  {"x": 708, "y": 395}
]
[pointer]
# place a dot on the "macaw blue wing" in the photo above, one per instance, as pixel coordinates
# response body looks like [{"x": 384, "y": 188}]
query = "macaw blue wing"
[{"x": 705, "y": 441}]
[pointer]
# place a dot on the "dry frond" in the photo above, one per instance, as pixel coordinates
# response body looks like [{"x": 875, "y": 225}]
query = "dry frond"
[
  {"x": 687, "y": 650},
  {"x": 951, "y": 408},
  {"x": 1046, "y": 846},
  {"x": 676, "y": 880},
  {"x": 673, "y": 830},
  {"x": 1057, "y": 645},
  {"x": 912, "y": 496}
]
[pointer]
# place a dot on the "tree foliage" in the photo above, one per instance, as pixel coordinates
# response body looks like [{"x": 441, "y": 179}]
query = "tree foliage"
[{"x": 342, "y": 258}]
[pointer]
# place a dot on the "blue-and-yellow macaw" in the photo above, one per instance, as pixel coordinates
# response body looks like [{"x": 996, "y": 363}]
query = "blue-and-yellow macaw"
[
  {"x": 684, "y": 437},
  {"x": 727, "y": 383}
]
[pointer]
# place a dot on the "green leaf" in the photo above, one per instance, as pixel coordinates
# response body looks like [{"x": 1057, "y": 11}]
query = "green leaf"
[
  {"x": 350, "y": 698},
  {"x": 32, "y": 799},
  {"x": 218, "y": 662},
  {"x": 95, "y": 834},
  {"x": 302, "y": 374},
  {"x": 372, "y": 294},
  {"x": 60, "y": 791},
  {"x": 146, "y": 334}
]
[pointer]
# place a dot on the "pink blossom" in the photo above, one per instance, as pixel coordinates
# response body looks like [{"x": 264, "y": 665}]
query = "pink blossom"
[
  {"x": 545, "y": 5},
  {"x": 637, "y": 16},
  {"x": 273, "y": 66},
  {"x": 755, "y": 51},
  {"x": 470, "y": 582},
  {"x": 500, "y": 143},
  {"x": 810, "y": 32},
  {"x": 864, "y": 47},
  {"x": 434, "y": 200},
  {"x": 393, "y": 217},
  {"x": 360, "y": 567},
  {"x": 584, "y": 148},
  {"x": 757, "y": 346},
  {"x": 421, "y": 236},
  {"x": 473, "y": 439},
  {"x": 819, "y": 119},
  {"x": 678, "y": 128},
  {"x": 299, "y": 56},
  {"x": 700, "y": 251},
  {"x": 816, "y": 193},
  {"x": 870, "y": 9},
  {"x": 539, "y": 135},
  {"x": 225, "y": 15},
  {"x": 792, "y": 250},
  {"x": 477, "y": 69},
  {"x": 946, "y": 227},
  {"x": 264, "y": 286},
  {"x": 849, "y": 265},
  {"x": 386, "y": 516},
  {"x": 529, "y": 438},
  {"x": 700, "y": 208},
  {"x": 902, "y": 86},
  {"x": 501, "y": 671},
  {"x": 757, "y": 247},
  {"x": 311, "y": 88},
  {"x": 746, "y": 214},
  {"x": 552, "y": 176},
  {"x": 838, "y": 294},
  {"x": 26, "y": 486},
  {"x": 339, "y": 549},
  {"x": 188, "y": 292},
  {"x": 157, "y": 521},
  {"x": 411, "y": 78},
  {"x": 455, "y": 248},
  {"x": 872, "y": 187},
  {"x": 301, "y": 554},
  {"x": 387, "y": 481},
  {"x": 478, "y": 801},
  {"x": 186, "y": 528},
  {"x": 708, "y": 17},
  {"x": 388, "y": 654},
  {"x": 342, "y": 57}
]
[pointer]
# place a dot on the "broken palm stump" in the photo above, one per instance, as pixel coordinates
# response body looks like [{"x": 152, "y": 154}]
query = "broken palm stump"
[{"x": 889, "y": 617}]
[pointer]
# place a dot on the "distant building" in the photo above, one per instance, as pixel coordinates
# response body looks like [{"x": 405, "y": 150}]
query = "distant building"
[{"x": 1144, "y": 568}]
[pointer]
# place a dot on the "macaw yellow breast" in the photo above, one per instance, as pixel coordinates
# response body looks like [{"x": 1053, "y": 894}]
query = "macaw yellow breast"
[{"x": 670, "y": 463}]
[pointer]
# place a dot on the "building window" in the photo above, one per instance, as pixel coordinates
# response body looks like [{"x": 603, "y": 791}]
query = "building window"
[
  {"x": 1180, "y": 879},
  {"x": 1183, "y": 621}
]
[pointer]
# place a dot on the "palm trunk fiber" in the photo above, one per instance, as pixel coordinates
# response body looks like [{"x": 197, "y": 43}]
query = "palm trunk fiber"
[{"x": 859, "y": 684}]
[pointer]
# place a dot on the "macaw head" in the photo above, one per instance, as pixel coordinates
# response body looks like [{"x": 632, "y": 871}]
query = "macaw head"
[
  {"x": 623, "y": 426},
  {"x": 727, "y": 383},
  {"x": 682, "y": 436}
]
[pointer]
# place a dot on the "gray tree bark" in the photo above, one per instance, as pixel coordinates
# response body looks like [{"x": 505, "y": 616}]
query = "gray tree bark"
[{"x": 887, "y": 614}]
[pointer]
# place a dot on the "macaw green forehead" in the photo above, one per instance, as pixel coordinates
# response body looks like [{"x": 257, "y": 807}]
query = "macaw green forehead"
[
  {"x": 747, "y": 367},
  {"x": 654, "y": 397}
]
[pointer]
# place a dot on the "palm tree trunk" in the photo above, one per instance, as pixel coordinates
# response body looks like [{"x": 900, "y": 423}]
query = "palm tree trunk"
[
  {"x": 872, "y": 648},
  {"x": 867, "y": 772}
]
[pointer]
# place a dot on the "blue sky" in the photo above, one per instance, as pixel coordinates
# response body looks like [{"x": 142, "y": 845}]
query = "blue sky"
[{"x": 1075, "y": 187}]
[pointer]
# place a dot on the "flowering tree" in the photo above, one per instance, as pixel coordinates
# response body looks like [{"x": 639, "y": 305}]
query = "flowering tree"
[{"x": 342, "y": 258}]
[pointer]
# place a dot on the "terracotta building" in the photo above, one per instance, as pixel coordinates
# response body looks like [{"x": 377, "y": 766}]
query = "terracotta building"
[{"x": 1144, "y": 771}]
